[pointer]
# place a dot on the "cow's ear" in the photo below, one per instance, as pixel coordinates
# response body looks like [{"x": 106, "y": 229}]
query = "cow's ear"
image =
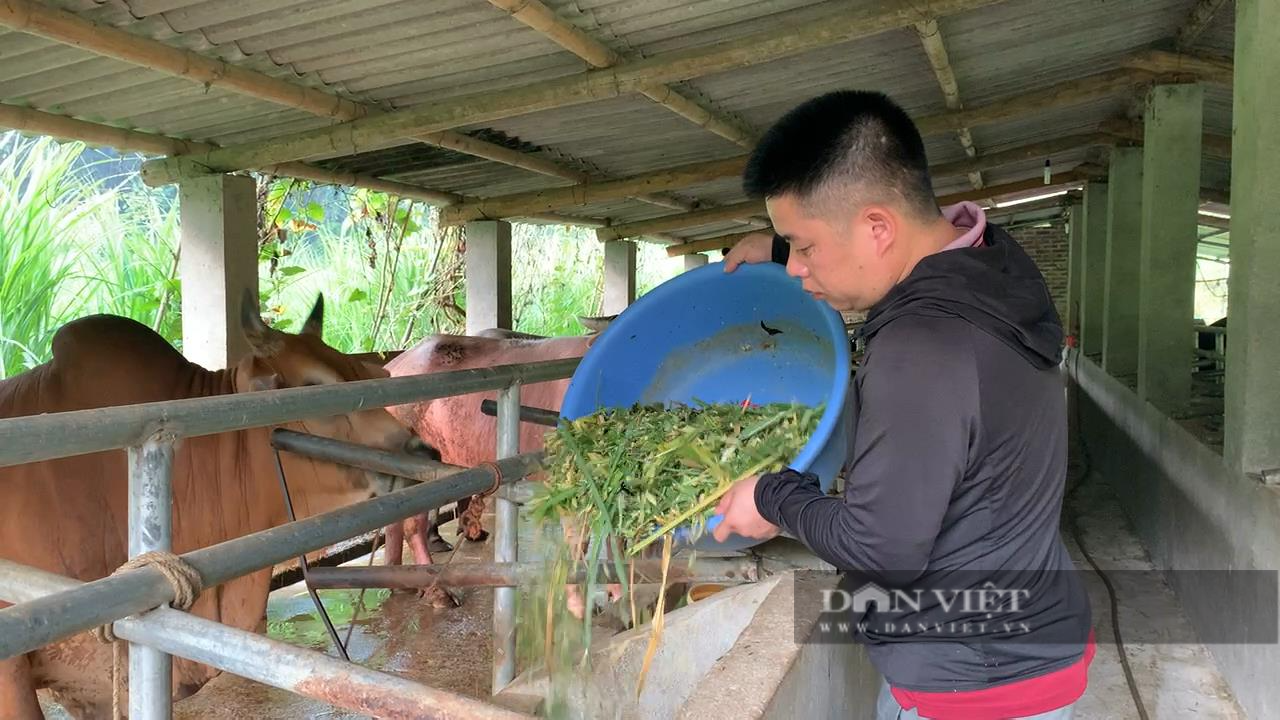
[
  {"x": 376, "y": 370},
  {"x": 315, "y": 321},
  {"x": 254, "y": 374},
  {"x": 260, "y": 337}
]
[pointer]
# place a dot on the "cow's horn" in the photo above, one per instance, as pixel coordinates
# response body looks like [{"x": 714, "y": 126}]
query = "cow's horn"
[{"x": 315, "y": 321}]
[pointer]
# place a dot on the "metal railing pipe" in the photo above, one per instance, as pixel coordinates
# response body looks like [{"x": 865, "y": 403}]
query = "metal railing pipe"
[
  {"x": 150, "y": 528},
  {"x": 31, "y": 625},
  {"x": 361, "y": 456},
  {"x": 531, "y": 415},
  {"x": 521, "y": 574},
  {"x": 44, "y": 437},
  {"x": 298, "y": 670}
]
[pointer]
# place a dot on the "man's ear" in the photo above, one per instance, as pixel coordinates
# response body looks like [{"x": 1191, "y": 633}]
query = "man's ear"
[{"x": 882, "y": 227}]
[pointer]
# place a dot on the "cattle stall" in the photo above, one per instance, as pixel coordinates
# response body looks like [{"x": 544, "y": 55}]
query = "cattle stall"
[{"x": 50, "y": 607}]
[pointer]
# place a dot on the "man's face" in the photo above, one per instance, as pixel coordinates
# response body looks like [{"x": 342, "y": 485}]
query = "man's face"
[{"x": 848, "y": 262}]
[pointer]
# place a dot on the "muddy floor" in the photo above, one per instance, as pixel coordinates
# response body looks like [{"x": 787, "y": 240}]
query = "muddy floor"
[{"x": 397, "y": 632}]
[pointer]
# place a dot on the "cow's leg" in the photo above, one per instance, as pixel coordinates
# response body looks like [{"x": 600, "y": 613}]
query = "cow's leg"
[
  {"x": 18, "y": 690},
  {"x": 436, "y": 543},
  {"x": 393, "y": 537},
  {"x": 417, "y": 530}
]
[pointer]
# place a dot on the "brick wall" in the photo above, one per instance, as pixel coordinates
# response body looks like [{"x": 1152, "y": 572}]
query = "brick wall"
[{"x": 1048, "y": 246}]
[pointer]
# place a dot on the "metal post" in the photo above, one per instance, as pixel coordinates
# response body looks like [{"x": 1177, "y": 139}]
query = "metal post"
[
  {"x": 150, "y": 528},
  {"x": 504, "y": 548}
]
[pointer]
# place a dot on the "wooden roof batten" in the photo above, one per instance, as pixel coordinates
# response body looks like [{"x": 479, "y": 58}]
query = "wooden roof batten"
[
  {"x": 936, "y": 50},
  {"x": 364, "y": 126},
  {"x": 545, "y": 21},
  {"x": 599, "y": 84},
  {"x": 1064, "y": 94},
  {"x": 66, "y": 28},
  {"x": 541, "y": 201}
]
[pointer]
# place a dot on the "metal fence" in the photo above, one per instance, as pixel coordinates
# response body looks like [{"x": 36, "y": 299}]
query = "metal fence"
[{"x": 51, "y": 607}]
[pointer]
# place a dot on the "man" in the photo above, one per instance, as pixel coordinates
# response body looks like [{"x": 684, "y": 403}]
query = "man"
[{"x": 958, "y": 448}]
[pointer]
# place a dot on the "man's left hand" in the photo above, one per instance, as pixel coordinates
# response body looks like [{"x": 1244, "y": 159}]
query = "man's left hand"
[{"x": 741, "y": 517}]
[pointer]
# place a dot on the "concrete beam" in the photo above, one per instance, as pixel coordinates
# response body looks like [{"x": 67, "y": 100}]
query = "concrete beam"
[
  {"x": 1217, "y": 71},
  {"x": 1021, "y": 153},
  {"x": 1170, "y": 204},
  {"x": 1123, "y": 280},
  {"x": 1093, "y": 278},
  {"x": 1070, "y": 177},
  {"x": 677, "y": 222},
  {"x": 540, "y": 201},
  {"x": 1252, "y": 438},
  {"x": 218, "y": 261},
  {"x": 1215, "y": 146},
  {"x": 619, "y": 276},
  {"x": 719, "y": 242},
  {"x": 488, "y": 273},
  {"x": 1075, "y": 275},
  {"x": 693, "y": 261}
]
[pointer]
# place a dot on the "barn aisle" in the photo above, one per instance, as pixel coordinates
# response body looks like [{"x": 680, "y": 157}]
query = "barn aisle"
[{"x": 1175, "y": 679}]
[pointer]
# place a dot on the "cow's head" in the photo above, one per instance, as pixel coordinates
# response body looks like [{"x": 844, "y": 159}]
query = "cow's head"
[{"x": 284, "y": 360}]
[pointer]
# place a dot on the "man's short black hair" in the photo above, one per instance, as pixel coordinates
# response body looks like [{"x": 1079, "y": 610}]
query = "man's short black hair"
[{"x": 840, "y": 150}]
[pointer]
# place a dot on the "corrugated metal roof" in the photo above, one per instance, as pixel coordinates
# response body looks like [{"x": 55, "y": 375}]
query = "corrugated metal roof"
[{"x": 399, "y": 53}]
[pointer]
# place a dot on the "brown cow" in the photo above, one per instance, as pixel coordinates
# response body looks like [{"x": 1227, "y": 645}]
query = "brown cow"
[
  {"x": 456, "y": 427},
  {"x": 69, "y": 516}
]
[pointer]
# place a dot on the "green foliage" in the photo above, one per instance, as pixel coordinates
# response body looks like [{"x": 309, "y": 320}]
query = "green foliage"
[
  {"x": 71, "y": 247},
  {"x": 41, "y": 203}
]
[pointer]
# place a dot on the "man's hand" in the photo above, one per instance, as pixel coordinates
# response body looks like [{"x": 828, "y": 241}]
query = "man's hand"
[
  {"x": 754, "y": 248},
  {"x": 738, "y": 506}
]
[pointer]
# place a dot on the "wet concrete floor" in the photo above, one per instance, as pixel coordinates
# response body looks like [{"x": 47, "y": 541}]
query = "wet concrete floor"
[{"x": 449, "y": 649}]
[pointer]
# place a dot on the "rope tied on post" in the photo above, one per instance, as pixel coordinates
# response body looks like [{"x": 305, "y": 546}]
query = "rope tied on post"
[
  {"x": 187, "y": 586},
  {"x": 469, "y": 522}
]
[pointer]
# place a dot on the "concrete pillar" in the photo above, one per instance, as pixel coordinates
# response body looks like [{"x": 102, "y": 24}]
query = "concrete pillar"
[
  {"x": 1075, "y": 273},
  {"x": 693, "y": 261},
  {"x": 1124, "y": 243},
  {"x": 1170, "y": 204},
  {"x": 488, "y": 269},
  {"x": 219, "y": 219},
  {"x": 1094, "y": 265},
  {"x": 619, "y": 276},
  {"x": 1252, "y": 433}
]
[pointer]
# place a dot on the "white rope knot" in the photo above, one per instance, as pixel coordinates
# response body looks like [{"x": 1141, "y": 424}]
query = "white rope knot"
[{"x": 185, "y": 580}]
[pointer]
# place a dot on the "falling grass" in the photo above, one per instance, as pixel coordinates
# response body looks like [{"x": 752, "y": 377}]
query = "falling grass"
[{"x": 622, "y": 479}]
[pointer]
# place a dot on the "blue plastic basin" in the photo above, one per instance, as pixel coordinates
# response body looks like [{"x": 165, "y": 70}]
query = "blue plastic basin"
[{"x": 724, "y": 337}]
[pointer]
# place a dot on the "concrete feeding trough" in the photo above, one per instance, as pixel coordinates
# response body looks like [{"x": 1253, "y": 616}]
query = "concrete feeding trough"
[{"x": 741, "y": 652}]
